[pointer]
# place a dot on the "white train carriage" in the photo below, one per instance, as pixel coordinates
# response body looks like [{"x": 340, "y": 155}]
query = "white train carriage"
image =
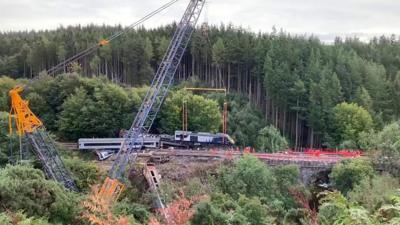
[{"x": 114, "y": 144}]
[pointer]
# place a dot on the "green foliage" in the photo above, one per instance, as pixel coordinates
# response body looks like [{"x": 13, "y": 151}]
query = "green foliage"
[
  {"x": 207, "y": 214},
  {"x": 386, "y": 146},
  {"x": 97, "y": 114},
  {"x": 203, "y": 114},
  {"x": 21, "y": 219},
  {"x": 126, "y": 208},
  {"x": 287, "y": 177},
  {"x": 350, "y": 172},
  {"x": 351, "y": 120},
  {"x": 255, "y": 212},
  {"x": 76, "y": 108},
  {"x": 390, "y": 212},
  {"x": 6, "y": 84},
  {"x": 324, "y": 95},
  {"x": 84, "y": 173},
  {"x": 270, "y": 140},
  {"x": 303, "y": 77},
  {"x": 47, "y": 94},
  {"x": 396, "y": 93},
  {"x": 363, "y": 99},
  {"x": 7, "y": 142},
  {"x": 373, "y": 193},
  {"x": 73, "y": 106},
  {"x": 336, "y": 210},
  {"x": 219, "y": 52},
  {"x": 25, "y": 188},
  {"x": 223, "y": 210},
  {"x": 387, "y": 140},
  {"x": 244, "y": 121},
  {"x": 249, "y": 177},
  {"x": 4, "y": 139},
  {"x": 4, "y": 219},
  {"x": 196, "y": 186}
]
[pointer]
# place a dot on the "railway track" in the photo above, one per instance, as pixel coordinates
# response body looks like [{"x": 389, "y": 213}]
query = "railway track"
[{"x": 288, "y": 156}]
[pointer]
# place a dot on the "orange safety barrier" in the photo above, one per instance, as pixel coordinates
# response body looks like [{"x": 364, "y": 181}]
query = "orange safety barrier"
[
  {"x": 248, "y": 150},
  {"x": 343, "y": 153},
  {"x": 229, "y": 155},
  {"x": 213, "y": 152}
]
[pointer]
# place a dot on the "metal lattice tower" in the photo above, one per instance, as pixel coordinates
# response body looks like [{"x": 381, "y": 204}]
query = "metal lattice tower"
[
  {"x": 158, "y": 89},
  {"x": 44, "y": 148},
  {"x": 28, "y": 125}
]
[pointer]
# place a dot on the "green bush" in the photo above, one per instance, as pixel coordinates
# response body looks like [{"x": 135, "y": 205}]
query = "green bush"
[
  {"x": 269, "y": 139},
  {"x": 375, "y": 192},
  {"x": 203, "y": 114},
  {"x": 139, "y": 212},
  {"x": 21, "y": 219},
  {"x": 84, "y": 173},
  {"x": 351, "y": 172},
  {"x": 25, "y": 188},
  {"x": 250, "y": 177},
  {"x": 351, "y": 120}
]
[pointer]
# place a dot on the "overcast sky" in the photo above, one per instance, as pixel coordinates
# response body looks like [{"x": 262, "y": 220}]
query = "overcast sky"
[{"x": 324, "y": 18}]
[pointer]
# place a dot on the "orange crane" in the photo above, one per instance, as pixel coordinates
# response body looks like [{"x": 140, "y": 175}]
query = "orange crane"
[
  {"x": 113, "y": 185},
  {"x": 29, "y": 125}
]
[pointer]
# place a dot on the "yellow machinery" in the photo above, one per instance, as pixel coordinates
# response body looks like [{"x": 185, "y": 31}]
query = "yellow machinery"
[
  {"x": 26, "y": 121},
  {"x": 30, "y": 126}
]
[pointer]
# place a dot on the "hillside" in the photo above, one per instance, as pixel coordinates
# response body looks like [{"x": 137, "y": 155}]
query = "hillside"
[
  {"x": 243, "y": 191},
  {"x": 283, "y": 92},
  {"x": 294, "y": 80}
]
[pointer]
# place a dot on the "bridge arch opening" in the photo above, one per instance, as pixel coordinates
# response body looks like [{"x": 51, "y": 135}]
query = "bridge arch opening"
[{"x": 318, "y": 183}]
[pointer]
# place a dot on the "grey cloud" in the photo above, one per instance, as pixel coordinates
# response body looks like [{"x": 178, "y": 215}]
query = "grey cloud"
[{"x": 324, "y": 18}]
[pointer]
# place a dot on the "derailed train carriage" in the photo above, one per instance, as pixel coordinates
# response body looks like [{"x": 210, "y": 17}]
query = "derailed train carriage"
[{"x": 181, "y": 139}]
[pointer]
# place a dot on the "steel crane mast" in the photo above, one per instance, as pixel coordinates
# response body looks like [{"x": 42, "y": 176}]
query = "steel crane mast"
[
  {"x": 28, "y": 124},
  {"x": 153, "y": 100}
]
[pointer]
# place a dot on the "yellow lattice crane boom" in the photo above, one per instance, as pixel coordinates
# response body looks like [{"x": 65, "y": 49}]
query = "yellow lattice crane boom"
[
  {"x": 26, "y": 121},
  {"x": 30, "y": 126}
]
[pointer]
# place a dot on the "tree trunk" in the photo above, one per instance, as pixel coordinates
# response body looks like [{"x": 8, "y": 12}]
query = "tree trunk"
[
  {"x": 284, "y": 122},
  {"x": 312, "y": 138},
  {"x": 229, "y": 77},
  {"x": 297, "y": 126}
]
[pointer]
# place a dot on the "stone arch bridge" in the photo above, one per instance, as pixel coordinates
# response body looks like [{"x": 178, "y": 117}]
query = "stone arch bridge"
[{"x": 310, "y": 164}]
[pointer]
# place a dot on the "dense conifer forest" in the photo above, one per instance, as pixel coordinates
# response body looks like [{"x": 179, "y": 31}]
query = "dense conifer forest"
[
  {"x": 296, "y": 81},
  {"x": 284, "y": 91}
]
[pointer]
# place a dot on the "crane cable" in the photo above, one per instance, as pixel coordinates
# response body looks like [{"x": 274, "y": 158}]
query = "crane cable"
[
  {"x": 142, "y": 20},
  {"x": 106, "y": 41}
]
